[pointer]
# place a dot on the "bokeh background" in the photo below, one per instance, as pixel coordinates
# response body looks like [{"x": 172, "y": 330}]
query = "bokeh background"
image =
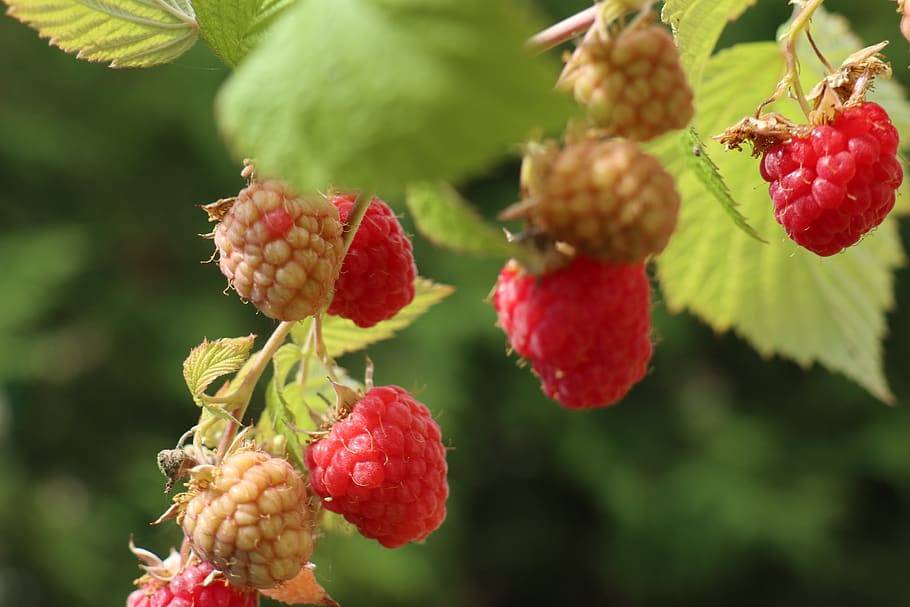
[{"x": 723, "y": 479}]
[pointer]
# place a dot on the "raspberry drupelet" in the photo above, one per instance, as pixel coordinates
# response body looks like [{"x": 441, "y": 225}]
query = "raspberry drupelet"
[
  {"x": 585, "y": 328},
  {"x": 383, "y": 467},
  {"x": 188, "y": 589},
  {"x": 834, "y": 185},
  {"x": 377, "y": 276}
]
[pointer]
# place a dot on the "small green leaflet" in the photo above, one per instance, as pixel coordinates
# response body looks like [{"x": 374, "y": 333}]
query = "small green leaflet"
[
  {"x": 212, "y": 359},
  {"x": 448, "y": 220},
  {"x": 376, "y": 94},
  {"x": 122, "y": 33},
  {"x": 693, "y": 149},
  {"x": 233, "y": 28},
  {"x": 697, "y": 25},
  {"x": 341, "y": 336}
]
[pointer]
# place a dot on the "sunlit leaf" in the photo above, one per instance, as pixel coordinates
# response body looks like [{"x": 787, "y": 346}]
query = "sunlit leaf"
[
  {"x": 233, "y": 28},
  {"x": 122, "y": 33},
  {"x": 213, "y": 359}
]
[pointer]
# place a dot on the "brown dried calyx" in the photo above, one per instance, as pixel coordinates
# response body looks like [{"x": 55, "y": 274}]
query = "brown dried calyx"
[{"x": 845, "y": 87}]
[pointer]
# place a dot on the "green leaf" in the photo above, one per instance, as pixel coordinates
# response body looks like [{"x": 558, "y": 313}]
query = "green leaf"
[
  {"x": 341, "y": 336},
  {"x": 122, "y": 33},
  {"x": 212, "y": 359},
  {"x": 697, "y": 25},
  {"x": 783, "y": 299},
  {"x": 833, "y": 36},
  {"x": 277, "y": 407},
  {"x": 376, "y": 94},
  {"x": 232, "y": 28},
  {"x": 448, "y": 220},
  {"x": 693, "y": 149}
]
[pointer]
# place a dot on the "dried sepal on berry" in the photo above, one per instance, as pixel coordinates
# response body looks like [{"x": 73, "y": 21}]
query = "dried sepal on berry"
[
  {"x": 835, "y": 179},
  {"x": 304, "y": 589},
  {"x": 630, "y": 79},
  {"x": 249, "y": 518}
]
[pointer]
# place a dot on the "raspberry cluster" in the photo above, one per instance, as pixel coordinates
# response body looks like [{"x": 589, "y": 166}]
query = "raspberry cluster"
[
  {"x": 585, "y": 328},
  {"x": 280, "y": 251},
  {"x": 188, "y": 589},
  {"x": 838, "y": 182},
  {"x": 608, "y": 199},
  {"x": 251, "y": 520},
  {"x": 632, "y": 84},
  {"x": 383, "y": 467},
  {"x": 377, "y": 276}
]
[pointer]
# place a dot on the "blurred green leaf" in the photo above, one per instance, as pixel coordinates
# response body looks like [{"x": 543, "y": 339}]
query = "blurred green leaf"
[
  {"x": 448, "y": 220},
  {"x": 36, "y": 265},
  {"x": 781, "y": 298},
  {"x": 374, "y": 95},
  {"x": 212, "y": 359},
  {"x": 342, "y": 336},
  {"x": 697, "y": 25},
  {"x": 122, "y": 33},
  {"x": 234, "y": 28},
  {"x": 693, "y": 149}
]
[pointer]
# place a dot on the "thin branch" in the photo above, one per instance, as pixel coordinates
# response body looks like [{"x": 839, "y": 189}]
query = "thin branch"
[
  {"x": 563, "y": 31},
  {"x": 244, "y": 391}
]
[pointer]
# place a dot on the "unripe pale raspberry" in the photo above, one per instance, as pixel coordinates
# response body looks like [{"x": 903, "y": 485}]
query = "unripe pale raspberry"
[
  {"x": 585, "y": 328},
  {"x": 188, "y": 589},
  {"x": 632, "y": 84},
  {"x": 608, "y": 199},
  {"x": 281, "y": 251},
  {"x": 251, "y": 520},
  {"x": 383, "y": 467},
  {"x": 377, "y": 276},
  {"x": 837, "y": 183}
]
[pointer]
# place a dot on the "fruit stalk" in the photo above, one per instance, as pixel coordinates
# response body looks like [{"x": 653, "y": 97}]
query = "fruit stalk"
[
  {"x": 564, "y": 30},
  {"x": 241, "y": 397}
]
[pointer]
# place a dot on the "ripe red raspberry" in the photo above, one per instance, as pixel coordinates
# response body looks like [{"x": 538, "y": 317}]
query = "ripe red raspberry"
[
  {"x": 585, "y": 328},
  {"x": 250, "y": 520},
  {"x": 383, "y": 468},
  {"x": 632, "y": 84},
  {"x": 608, "y": 199},
  {"x": 188, "y": 589},
  {"x": 837, "y": 183},
  {"x": 377, "y": 276},
  {"x": 279, "y": 250}
]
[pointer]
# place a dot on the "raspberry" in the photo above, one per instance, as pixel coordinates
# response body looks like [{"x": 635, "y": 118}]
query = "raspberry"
[
  {"x": 250, "y": 521},
  {"x": 188, "y": 589},
  {"x": 585, "y": 328},
  {"x": 608, "y": 199},
  {"x": 279, "y": 250},
  {"x": 632, "y": 84},
  {"x": 377, "y": 277},
  {"x": 837, "y": 183},
  {"x": 383, "y": 468}
]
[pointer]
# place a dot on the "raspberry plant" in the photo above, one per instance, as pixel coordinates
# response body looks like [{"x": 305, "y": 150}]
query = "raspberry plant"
[{"x": 616, "y": 182}]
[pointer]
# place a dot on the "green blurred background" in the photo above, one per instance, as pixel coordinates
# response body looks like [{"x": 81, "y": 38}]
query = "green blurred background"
[{"x": 723, "y": 479}]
